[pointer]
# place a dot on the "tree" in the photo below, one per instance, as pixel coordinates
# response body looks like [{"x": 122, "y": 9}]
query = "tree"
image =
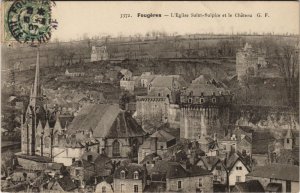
[
  {"x": 7, "y": 161},
  {"x": 287, "y": 59}
]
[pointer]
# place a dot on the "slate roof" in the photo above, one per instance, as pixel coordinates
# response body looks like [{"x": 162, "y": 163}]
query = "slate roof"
[
  {"x": 66, "y": 183},
  {"x": 261, "y": 141},
  {"x": 168, "y": 81},
  {"x": 162, "y": 136},
  {"x": 249, "y": 186},
  {"x": 175, "y": 170},
  {"x": 278, "y": 171},
  {"x": 105, "y": 120},
  {"x": 232, "y": 159},
  {"x": 65, "y": 120},
  {"x": 210, "y": 161},
  {"x": 246, "y": 129},
  {"x": 129, "y": 171},
  {"x": 150, "y": 158},
  {"x": 206, "y": 85},
  {"x": 274, "y": 187}
]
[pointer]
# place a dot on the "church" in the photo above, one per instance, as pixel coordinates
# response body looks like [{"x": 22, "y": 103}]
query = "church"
[{"x": 51, "y": 137}]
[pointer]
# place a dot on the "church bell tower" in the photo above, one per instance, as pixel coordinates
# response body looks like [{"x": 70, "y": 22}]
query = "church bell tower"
[{"x": 35, "y": 113}]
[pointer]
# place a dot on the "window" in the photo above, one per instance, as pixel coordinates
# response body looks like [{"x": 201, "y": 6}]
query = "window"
[
  {"x": 288, "y": 186},
  {"x": 89, "y": 158},
  {"x": 136, "y": 188},
  {"x": 238, "y": 178},
  {"x": 161, "y": 147},
  {"x": 179, "y": 185},
  {"x": 158, "y": 94},
  {"x": 122, "y": 187},
  {"x": 287, "y": 140},
  {"x": 200, "y": 182},
  {"x": 214, "y": 100},
  {"x": 190, "y": 100},
  {"x": 122, "y": 174},
  {"x": 202, "y": 100},
  {"x": 77, "y": 172},
  {"x": 116, "y": 148},
  {"x": 238, "y": 168},
  {"x": 136, "y": 175},
  {"x": 103, "y": 189}
]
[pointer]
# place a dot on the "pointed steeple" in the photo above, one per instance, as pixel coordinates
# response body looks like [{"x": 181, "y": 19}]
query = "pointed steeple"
[{"x": 36, "y": 92}]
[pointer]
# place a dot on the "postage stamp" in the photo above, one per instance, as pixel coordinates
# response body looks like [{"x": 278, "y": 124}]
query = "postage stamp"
[{"x": 27, "y": 21}]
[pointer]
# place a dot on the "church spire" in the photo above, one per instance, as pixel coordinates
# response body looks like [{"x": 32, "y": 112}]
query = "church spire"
[{"x": 36, "y": 90}]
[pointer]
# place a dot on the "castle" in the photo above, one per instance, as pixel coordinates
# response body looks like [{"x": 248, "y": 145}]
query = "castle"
[
  {"x": 204, "y": 108},
  {"x": 249, "y": 61},
  {"x": 99, "y": 53}
]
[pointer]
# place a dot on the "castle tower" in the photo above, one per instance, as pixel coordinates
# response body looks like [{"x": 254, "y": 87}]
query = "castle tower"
[{"x": 35, "y": 113}]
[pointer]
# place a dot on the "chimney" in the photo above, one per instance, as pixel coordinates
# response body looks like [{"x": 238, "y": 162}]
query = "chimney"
[{"x": 153, "y": 144}]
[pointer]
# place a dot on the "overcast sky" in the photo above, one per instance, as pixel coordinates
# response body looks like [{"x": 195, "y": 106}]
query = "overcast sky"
[{"x": 99, "y": 18}]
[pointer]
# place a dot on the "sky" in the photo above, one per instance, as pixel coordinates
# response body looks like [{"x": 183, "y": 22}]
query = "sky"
[{"x": 92, "y": 18}]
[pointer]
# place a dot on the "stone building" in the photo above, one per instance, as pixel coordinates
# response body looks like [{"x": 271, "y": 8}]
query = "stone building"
[
  {"x": 158, "y": 143},
  {"x": 249, "y": 61},
  {"x": 193, "y": 179},
  {"x": 127, "y": 82},
  {"x": 146, "y": 78},
  {"x": 167, "y": 86},
  {"x": 35, "y": 113},
  {"x": 152, "y": 109},
  {"x": 204, "y": 108},
  {"x": 104, "y": 186},
  {"x": 277, "y": 177},
  {"x": 130, "y": 178},
  {"x": 117, "y": 132},
  {"x": 99, "y": 53}
]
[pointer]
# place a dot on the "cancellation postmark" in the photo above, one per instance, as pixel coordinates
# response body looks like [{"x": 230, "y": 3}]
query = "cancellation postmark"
[{"x": 29, "y": 21}]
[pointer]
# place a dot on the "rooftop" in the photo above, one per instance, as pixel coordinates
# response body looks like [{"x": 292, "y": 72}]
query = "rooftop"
[
  {"x": 105, "y": 120},
  {"x": 278, "y": 171},
  {"x": 249, "y": 186}
]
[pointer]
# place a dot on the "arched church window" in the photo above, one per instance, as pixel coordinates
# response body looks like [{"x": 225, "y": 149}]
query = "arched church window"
[
  {"x": 116, "y": 148},
  {"x": 47, "y": 142},
  {"x": 38, "y": 141}
]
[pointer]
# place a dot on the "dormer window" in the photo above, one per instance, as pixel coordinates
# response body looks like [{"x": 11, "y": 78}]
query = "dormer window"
[
  {"x": 214, "y": 100},
  {"x": 201, "y": 100},
  {"x": 122, "y": 174},
  {"x": 136, "y": 175}
]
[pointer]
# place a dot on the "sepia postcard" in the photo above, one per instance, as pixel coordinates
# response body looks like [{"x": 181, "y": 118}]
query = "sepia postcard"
[{"x": 150, "y": 96}]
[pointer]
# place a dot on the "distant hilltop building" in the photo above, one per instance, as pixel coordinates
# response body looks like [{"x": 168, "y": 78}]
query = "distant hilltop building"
[
  {"x": 72, "y": 73},
  {"x": 204, "y": 108},
  {"x": 127, "y": 82},
  {"x": 99, "y": 53},
  {"x": 249, "y": 62}
]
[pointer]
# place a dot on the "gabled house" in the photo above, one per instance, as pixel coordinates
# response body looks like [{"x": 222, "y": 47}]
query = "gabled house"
[
  {"x": 82, "y": 172},
  {"x": 127, "y": 82},
  {"x": 192, "y": 179},
  {"x": 157, "y": 143},
  {"x": 62, "y": 184},
  {"x": 130, "y": 178},
  {"x": 237, "y": 168},
  {"x": 216, "y": 166}
]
